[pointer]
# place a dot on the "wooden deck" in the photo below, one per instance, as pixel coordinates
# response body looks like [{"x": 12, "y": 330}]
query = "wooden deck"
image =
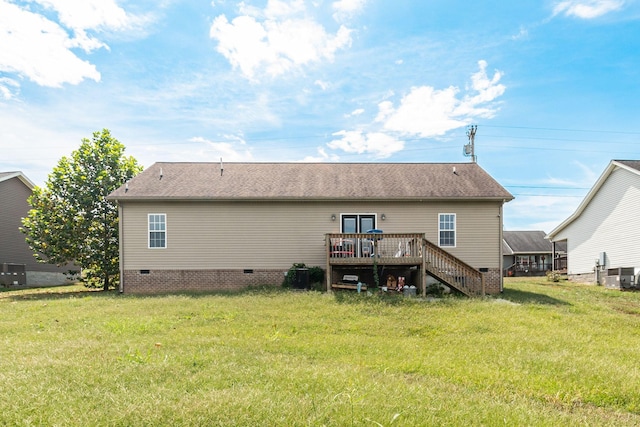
[{"x": 398, "y": 252}]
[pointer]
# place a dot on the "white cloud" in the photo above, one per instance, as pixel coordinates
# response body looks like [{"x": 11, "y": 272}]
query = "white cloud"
[
  {"x": 525, "y": 209},
  {"x": 275, "y": 40},
  {"x": 379, "y": 144},
  {"x": 88, "y": 15},
  {"x": 344, "y": 9},
  {"x": 322, "y": 84},
  {"x": 34, "y": 46},
  {"x": 39, "y": 49},
  {"x": 587, "y": 9},
  {"x": 8, "y": 88},
  {"x": 429, "y": 112},
  {"x": 356, "y": 112},
  {"x": 424, "y": 112},
  {"x": 322, "y": 156},
  {"x": 522, "y": 34},
  {"x": 229, "y": 152},
  {"x": 554, "y": 208}
]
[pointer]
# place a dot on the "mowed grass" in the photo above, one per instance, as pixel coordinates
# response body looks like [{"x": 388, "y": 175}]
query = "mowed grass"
[{"x": 541, "y": 353}]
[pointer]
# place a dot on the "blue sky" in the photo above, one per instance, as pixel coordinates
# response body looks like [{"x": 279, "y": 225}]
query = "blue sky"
[{"x": 553, "y": 86}]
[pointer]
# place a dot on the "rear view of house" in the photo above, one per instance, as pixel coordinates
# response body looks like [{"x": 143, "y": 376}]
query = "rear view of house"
[
  {"x": 602, "y": 235},
  {"x": 208, "y": 226}
]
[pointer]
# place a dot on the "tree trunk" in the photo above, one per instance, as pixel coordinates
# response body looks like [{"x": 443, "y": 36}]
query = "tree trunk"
[{"x": 106, "y": 282}]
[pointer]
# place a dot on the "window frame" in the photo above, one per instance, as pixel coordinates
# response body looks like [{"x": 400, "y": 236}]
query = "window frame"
[
  {"x": 441, "y": 230},
  {"x": 149, "y": 230}
]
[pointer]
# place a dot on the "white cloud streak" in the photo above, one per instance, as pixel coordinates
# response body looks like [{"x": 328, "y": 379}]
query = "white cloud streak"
[
  {"x": 587, "y": 9},
  {"x": 345, "y": 9},
  {"x": 231, "y": 152}
]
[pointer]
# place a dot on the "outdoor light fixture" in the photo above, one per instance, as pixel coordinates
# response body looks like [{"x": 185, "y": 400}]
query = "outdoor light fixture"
[
  {"x": 333, "y": 217},
  {"x": 383, "y": 217}
]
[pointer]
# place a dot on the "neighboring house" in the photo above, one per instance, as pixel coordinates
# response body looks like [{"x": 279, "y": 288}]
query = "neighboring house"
[
  {"x": 602, "y": 235},
  {"x": 528, "y": 253},
  {"x": 15, "y": 255},
  {"x": 202, "y": 226}
]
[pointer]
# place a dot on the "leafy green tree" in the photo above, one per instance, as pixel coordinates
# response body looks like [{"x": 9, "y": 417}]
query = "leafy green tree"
[{"x": 70, "y": 218}]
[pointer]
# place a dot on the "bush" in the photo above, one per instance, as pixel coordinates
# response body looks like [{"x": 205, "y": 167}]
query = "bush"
[
  {"x": 434, "y": 289},
  {"x": 553, "y": 276},
  {"x": 316, "y": 277}
]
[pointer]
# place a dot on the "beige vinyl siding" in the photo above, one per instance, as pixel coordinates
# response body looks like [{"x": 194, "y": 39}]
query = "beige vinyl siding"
[
  {"x": 608, "y": 224},
  {"x": 274, "y": 235}
]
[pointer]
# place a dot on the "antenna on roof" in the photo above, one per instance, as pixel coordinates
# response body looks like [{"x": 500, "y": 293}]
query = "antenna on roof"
[
  {"x": 161, "y": 175},
  {"x": 221, "y": 166},
  {"x": 469, "y": 149}
]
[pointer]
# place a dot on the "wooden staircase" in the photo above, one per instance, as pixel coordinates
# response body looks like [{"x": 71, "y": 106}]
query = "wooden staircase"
[{"x": 451, "y": 271}]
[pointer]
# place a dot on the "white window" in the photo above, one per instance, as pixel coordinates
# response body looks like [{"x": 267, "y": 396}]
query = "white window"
[
  {"x": 157, "y": 231},
  {"x": 447, "y": 229}
]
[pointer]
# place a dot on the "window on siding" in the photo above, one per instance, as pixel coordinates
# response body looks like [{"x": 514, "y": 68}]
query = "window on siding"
[
  {"x": 447, "y": 229},
  {"x": 157, "y": 231}
]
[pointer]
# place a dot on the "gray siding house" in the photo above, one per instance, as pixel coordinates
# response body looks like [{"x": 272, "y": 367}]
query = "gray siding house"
[
  {"x": 529, "y": 253},
  {"x": 602, "y": 235},
  {"x": 208, "y": 226},
  {"x": 15, "y": 254}
]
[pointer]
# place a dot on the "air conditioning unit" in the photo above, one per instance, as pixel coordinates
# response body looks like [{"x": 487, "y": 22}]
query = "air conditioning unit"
[{"x": 620, "y": 278}]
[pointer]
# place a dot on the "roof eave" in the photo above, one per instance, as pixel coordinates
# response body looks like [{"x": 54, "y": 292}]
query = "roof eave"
[
  {"x": 22, "y": 177},
  {"x": 126, "y": 198},
  {"x": 581, "y": 207}
]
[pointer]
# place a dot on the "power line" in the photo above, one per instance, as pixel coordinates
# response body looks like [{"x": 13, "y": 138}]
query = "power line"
[
  {"x": 547, "y": 195},
  {"x": 547, "y": 187},
  {"x": 563, "y": 130}
]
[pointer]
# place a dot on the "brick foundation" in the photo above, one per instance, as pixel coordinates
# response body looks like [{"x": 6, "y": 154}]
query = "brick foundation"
[
  {"x": 583, "y": 278},
  {"x": 165, "y": 281},
  {"x": 492, "y": 281}
]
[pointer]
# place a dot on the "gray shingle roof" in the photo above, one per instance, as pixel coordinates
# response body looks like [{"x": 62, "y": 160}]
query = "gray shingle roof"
[
  {"x": 634, "y": 164},
  {"x": 312, "y": 181},
  {"x": 526, "y": 242}
]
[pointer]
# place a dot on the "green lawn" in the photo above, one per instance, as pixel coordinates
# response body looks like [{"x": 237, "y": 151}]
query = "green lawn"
[{"x": 540, "y": 354}]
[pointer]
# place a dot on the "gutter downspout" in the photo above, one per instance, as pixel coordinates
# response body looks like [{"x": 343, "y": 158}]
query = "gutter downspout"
[
  {"x": 500, "y": 246},
  {"x": 121, "y": 246}
]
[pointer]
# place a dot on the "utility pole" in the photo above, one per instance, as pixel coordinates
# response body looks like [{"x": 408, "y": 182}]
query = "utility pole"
[{"x": 469, "y": 149}]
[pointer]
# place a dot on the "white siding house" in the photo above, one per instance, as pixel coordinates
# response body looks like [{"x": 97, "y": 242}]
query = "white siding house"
[{"x": 604, "y": 232}]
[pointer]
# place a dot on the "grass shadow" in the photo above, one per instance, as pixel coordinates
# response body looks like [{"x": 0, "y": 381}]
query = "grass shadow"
[
  {"x": 525, "y": 297},
  {"x": 52, "y": 293}
]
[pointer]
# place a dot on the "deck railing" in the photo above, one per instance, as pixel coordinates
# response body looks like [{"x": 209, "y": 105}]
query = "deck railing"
[
  {"x": 362, "y": 248},
  {"x": 452, "y": 271}
]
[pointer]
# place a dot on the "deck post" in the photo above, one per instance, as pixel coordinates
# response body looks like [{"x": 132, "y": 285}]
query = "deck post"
[
  {"x": 423, "y": 276},
  {"x": 328, "y": 271}
]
